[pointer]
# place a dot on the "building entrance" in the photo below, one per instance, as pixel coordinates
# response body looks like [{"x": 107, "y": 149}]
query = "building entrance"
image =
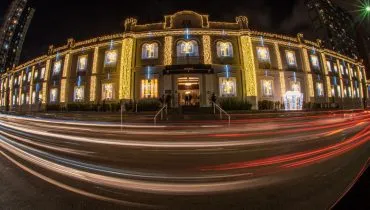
[{"x": 188, "y": 91}]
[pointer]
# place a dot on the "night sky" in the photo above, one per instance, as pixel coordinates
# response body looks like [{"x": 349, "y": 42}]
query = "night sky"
[{"x": 55, "y": 22}]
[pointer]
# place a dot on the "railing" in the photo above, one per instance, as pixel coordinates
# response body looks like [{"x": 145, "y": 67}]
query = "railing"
[
  {"x": 160, "y": 112},
  {"x": 216, "y": 106}
]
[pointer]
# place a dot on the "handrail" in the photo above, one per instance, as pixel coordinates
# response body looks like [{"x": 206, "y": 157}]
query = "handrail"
[
  {"x": 221, "y": 111},
  {"x": 165, "y": 107}
]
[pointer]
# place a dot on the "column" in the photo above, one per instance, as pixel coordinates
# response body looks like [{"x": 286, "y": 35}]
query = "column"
[
  {"x": 309, "y": 81},
  {"x": 21, "y": 89},
  {"x": 126, "y": 68},
  {"x": 31, "y": 88},
  {"x": 63, "y": 87},
  {"x": 281, "y": 72},
  {"x": 327, "y": 78},
  {"x": 93, "y": 78},
  {"x": 168, "y": 43},
  {"x": 11, "y": 84},
  {"x": 249, "y": 71},
  {"x": 207, "y": 55},
  {"x": 45, "y": 88},
  {"x": 340, "y": 79}
]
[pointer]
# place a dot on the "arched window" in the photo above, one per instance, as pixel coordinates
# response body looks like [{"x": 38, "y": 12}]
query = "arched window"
[
  {"x": 149, "y": 51},
  {"x": 224, "y": 49},
  {"x": 187, "y": 48}
]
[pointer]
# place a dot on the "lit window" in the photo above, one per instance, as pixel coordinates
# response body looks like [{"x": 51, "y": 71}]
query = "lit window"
[
  {"x": 263, "y": 54},
  {"x": 108, "y": 91},
  {"x": 24, "y": 77},
  {"x": 295, "y": 86},
  {"x": 57, "y": 67},
  {"x": 27, "y": 98},
  {"x": 23, "y": 98},
  {"x": 320, "y": 89},
  {"x": 15, "y": 81},
  {"x": 339, "y": 91},
  {"x": 33, "y": 97},
  {"x": 149, "y": 51},
  {"x": 224, "y": 49},
  {"x": 335, "y": 68},
  {"x": 110, "y": 58},
  {"x": 36, "y": 75},
  {"x": 290, "y": 58},
  {"x": 54, "y": 95},
  {"x": 82, "y": 63},
  {"x": 349, "y": 92},
  {"x": 149, "y": 88},
  {"x": 42, "y": 73},
  {"x": 267, "y": 88},
  {"x": 341, "y": 69},
  {"x": 315, "y": 61},
  {"x": 328, "y": 65},
  {"x": 333, "y": 91},
  {"x": 187, "y": 48},
  {"x": 29, "y": 75},
  {"x": 227, "y": 86},
  {"x": 345, "y": 93},
  {"x": 79, "y": 93}
]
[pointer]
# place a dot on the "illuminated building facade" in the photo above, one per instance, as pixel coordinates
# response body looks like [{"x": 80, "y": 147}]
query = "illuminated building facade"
[
  {"x": 187, "y": 56},
  {"x": 13, "y": 32}
]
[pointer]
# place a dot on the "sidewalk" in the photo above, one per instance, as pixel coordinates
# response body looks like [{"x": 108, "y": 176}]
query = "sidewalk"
[{"x": 148, "y": 117}]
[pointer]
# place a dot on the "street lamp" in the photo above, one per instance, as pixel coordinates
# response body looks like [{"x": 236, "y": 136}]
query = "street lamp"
[{"x": 367, "y": 9}]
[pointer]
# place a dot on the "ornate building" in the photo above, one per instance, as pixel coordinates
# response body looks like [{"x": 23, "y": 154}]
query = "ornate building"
[{"x": 186, "y": 55}]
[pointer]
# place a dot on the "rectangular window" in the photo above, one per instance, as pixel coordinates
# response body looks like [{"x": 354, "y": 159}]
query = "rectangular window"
[
  {"x": 341, "y": 69},
  {"x": 110, "y": 58},
  {"x": 295, "y": 86},
  {"x": 149, "y": 88},
  {"x": 320, "y": 89},
  {"x": 36, "y": 76},
  {"x": 108, "y": 91},
  {"x": 33, "y": 97},
  {"x": 335, "y": 68},
  {"x": 54, "y": 95},
  {"x": 290, "y": 58},
  {"x": 315, "y": 61},
  {"x": 345, "y": 92},
  {"x": 57, "y": 68},
  {"x": 28, "y": 98},
  {"x": 333, "y": 91},
  {"x": 79, "y": 93},
  {"x": 339, "y": 91},
  {"x": 42, "y": 73},
  {"x": 227, "y": 86},
  {"x": 349, "y": 92},
  {"x": 29, "y": 76},
  {"x": 263, "y": 54},
  {"x": 328, "y": 65},
  {"x": 267, "y": 88},
  {"x": 82, "y": 63}
]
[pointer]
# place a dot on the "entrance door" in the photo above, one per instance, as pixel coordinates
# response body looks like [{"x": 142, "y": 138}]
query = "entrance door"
[{"x": 188, "y": 91}]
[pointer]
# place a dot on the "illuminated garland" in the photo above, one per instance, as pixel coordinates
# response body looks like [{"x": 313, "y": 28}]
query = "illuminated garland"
[
  {"x": 168, "y": 44},
  {"x": 31, "y": 84},
  {"x": 95, "y": 61},
  {"x": 63, "y": 91},
  {"x": 207, "y": 49},
  {"x": 340, "y": 79},
  {"x": 307, "y": 68},
  {"x": 250, "y": 79},
  {"x": 326, "y": 73},
  {"x": 126, "y": 65},
  {"x": 93, "y": 88}
]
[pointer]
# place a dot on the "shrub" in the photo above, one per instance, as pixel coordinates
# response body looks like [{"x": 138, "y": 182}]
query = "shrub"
[
  {"x": 266, "y": 105},
  {"x": 232, "y": 103},
  {"x": 52, "y": 107},
  {"x": 148, "y": 105}
]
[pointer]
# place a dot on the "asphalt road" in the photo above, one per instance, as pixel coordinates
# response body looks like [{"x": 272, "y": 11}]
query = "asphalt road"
[{"x": 298, "y": 162}]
